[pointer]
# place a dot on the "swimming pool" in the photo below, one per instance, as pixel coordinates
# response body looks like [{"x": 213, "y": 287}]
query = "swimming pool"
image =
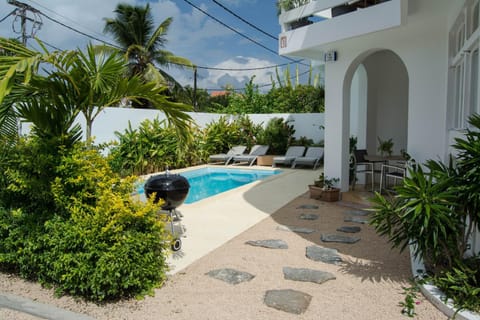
[{"x": 207, "y": 182}]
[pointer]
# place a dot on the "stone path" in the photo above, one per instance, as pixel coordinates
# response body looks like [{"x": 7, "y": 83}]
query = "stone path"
[
  {"x": 289, "y": 300},
  {"x": 270, "y": 243},
  {"x": 231, "y": 276}
]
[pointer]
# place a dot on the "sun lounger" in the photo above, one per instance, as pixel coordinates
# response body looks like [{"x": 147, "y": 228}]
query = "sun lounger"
[
  {"x": 226, "y": 157},
  {"x": 257, "y": 150},
  {"x": 292, "y": 153},
  {"x": 312, "y": 158}
]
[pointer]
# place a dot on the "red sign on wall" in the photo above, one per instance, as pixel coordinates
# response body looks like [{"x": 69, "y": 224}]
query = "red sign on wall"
[{"x": 283, "y": 42}]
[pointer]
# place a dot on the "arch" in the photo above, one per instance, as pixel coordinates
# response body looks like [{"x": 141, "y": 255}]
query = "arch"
[{"x": 386, "y": 101}]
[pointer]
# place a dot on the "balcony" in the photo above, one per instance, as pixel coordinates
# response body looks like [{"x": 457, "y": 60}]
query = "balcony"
[{"x": 309, "y": 28}]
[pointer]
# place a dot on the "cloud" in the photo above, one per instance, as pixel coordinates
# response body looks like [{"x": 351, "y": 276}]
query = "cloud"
[{"x": 191, "y": 35}]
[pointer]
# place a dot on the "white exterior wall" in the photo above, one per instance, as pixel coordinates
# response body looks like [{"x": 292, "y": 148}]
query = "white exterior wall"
[
  {"x": 116, "y": 119},
  {"x": 387, "y": 101},
  {"x": 358, "y": 107},
  {"x": 422, "y": 47}
]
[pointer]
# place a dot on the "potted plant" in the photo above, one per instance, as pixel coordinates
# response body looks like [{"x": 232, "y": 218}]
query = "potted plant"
[
  {"x": 323, "y": 189},
  {"x": 385, "y": 147},
  {"x": 287, "y": 5}
]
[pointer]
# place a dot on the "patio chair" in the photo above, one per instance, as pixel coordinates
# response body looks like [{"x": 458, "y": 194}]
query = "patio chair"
[
  {"x": 394, "y": 171},
  {"x": 257, "y": 150},
  {"x": 227, "y": 157},
  {"x": 359, "y": 164},
  {"x": 312, "y": 158},
  {"x": 292, "y": 153}
]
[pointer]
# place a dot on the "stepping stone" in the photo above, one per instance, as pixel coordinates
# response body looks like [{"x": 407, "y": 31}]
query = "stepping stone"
[
  {"x": 308, "y": 216},
  {"x": 356, "y": 220},
  {"x": 362, "y": 213},
  {"x": 325, "y": 255},
  {"x": 307, "y": 275},
  {"x": 308, "y": 206},
  {"x": 295, "y": 229},
  {"x": 270, "y": 243},
  {"x": 338, "y": 238},
  {"x": 288, "y": 300},
  {"x": 230, "y": 276},
  {"x": 348, "y": 229}
]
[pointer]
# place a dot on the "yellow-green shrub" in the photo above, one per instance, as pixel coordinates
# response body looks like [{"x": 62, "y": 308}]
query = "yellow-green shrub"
[{"x": 99, "y": 242}]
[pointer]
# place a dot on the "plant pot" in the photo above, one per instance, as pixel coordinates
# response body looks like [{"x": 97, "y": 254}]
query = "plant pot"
[
  {"x": 330, "y": 195},
  {"x": 315, "y": 192},
  {"x": 265, "y": 160},
  {"x": 324, "y": 195}
]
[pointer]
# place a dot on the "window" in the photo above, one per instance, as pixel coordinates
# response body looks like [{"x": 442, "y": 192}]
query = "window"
[
  {"x": 464, "y": 66},
  {"x": 475, "y": 17},
  {"x": 473, "y": 103}
]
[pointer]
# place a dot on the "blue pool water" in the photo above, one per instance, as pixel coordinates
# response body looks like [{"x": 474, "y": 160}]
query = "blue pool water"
[{"x": 207, "y": 182}]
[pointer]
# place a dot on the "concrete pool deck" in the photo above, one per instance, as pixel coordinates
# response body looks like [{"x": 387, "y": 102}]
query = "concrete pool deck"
[{"x": 213, "y": 221}]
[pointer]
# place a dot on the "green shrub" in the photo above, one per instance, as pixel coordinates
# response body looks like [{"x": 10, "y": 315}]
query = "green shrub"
[
  {"x": 152, "y": 147},
  {"x": 221, "y": 135},
  {"x": 461, "y": 284},
  {"x": 437, "y": 210},
  {"x": 278, "y": 135},
  {"x": 28, "y": 168},
  {"x": 98, "y": 241}
]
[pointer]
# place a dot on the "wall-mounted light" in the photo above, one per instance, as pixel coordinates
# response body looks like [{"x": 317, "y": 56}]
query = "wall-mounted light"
[{"x": 330, "y": 56}]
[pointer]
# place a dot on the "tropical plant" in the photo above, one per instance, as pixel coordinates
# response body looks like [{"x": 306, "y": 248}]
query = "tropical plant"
[
  {"x": 154, "y": 146},
  {"x": 77, "y": 82},
  {"x": 250, "y": 101},
  {"x": 290, "y": 4},
  {"x": 437, "y": 209},
  {"x": 385, "y": 146},
  {"x": 461, "y": 284},
  {"x": 278, "y": 135},
  {"x": 143, "y": 44}
]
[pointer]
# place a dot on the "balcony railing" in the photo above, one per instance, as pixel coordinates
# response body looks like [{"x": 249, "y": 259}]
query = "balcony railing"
[
  {"x": 318, "y": 10},
  {"x": 306, "y": 30}
]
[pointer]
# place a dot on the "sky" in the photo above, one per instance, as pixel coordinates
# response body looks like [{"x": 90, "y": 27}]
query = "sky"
[{"x": 192, "y": 35}]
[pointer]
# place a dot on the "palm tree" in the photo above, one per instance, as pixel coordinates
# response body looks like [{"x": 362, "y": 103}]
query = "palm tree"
[
  {"x": 78, "y": 82},
  {"x": 134, "y": 31}
]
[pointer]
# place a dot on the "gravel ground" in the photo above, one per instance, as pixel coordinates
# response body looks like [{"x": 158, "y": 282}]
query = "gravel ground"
[{"x": 368, "y": 283}]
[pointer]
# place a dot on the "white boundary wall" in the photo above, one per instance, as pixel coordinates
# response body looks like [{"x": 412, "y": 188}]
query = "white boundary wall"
[{"x": 110, "y": 120}]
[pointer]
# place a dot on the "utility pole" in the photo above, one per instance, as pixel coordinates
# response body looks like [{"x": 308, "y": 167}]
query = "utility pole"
[
  {"x": 22, "y": 12},
  {"x": 195, "y": 88}
]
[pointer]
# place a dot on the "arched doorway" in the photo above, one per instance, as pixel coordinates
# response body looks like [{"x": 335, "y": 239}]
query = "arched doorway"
[{"x": 376, "y": 92}]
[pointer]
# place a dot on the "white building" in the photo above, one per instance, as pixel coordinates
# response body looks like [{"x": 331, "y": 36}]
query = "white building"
[{"x": 401, "y": 69}]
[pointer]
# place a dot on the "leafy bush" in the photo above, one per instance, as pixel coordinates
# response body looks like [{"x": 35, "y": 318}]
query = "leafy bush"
[
  {"x": 223, "y": 134},
  {"x": 278, "y": 135},
  {"x": 97, "y": 241},
  {"x": 296, "y": 99},
  {"x": 437, "y": 211},
  {"x": 28, "y": 167},
  {"x": 421, "y": 213},
  {"x": 153, "y": 147},
  {"x": 462, "y": 284}
]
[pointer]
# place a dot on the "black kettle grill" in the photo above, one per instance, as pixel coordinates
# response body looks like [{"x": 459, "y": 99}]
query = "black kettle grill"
[{"x": 172, "y": 188}]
